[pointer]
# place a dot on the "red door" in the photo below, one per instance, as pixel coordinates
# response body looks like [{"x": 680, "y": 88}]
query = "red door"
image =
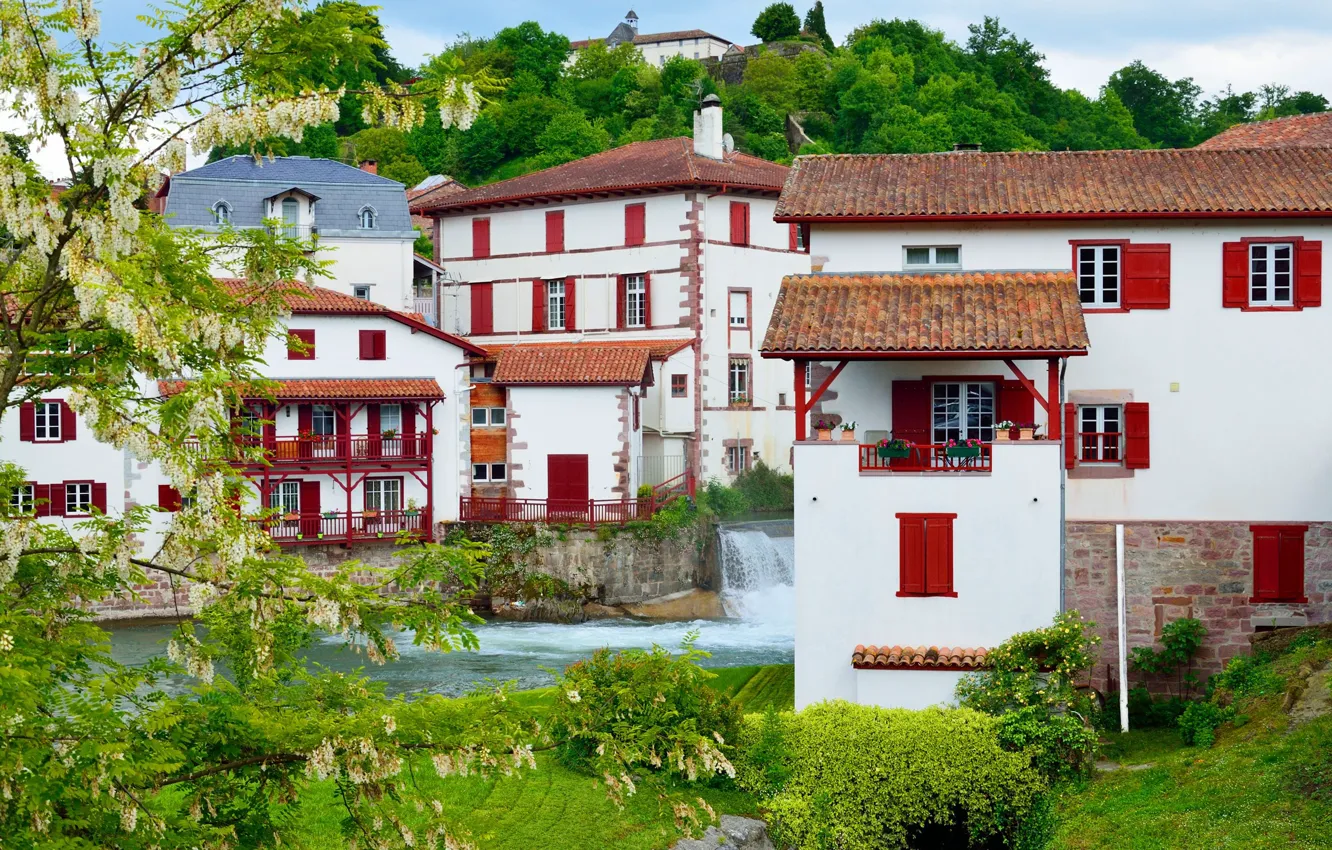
[
  {"x": 567, "y": 487},
  {"x": 911, "y": 420}
]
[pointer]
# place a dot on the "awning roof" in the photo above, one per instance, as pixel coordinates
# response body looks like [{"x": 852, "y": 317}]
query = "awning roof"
[
  {"x": 974, "y": 315},
  {"x": 574, "y": 365},
  {"x": 338, "y": 389}
]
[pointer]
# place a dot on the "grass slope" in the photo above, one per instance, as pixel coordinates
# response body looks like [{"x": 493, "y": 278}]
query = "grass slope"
[{"x": 757, "y": 689}]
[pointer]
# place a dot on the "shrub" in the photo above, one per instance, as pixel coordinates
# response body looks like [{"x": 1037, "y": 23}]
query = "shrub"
[
  {"x": 1199, "y": 722},
  {"x": 1180, "y": 641},
  {"x": 1060, "y": 746},
  {"x": 1247, "y": 676},
  {"x": 721, "y": 502},
  {"x": 633, "y": 711},
  {"x": 764, "y": 488},
  {"x": 863, "y": 777},
  {"x": 763, "y": 762},
  {"x": 1039, "y": 667}
]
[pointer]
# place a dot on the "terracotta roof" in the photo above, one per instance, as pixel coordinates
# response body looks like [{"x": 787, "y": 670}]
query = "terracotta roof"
[
  {"x": 448, "y": 187},
  {"x": 1295, "y": 131},
  {"x": 1062, "y": 184},
  {"x": 965, "y": 312},
  {"x": 605, "y": 365},
  {"x": 653, "y": 38},
  {"x": 338, "y": 389},
  {"x": 658, "y": 349},
  {"x": 918, "y": 658},
  {"x": 664, "y": 163}
]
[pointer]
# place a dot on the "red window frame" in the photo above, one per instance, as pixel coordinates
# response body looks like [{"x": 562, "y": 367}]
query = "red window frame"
[
  {"x": 307, "y": 337},
  {"x": 1278, "y": 563},
  {"x": 925, "y": 554},
  {"x": 799, "y": 238},
  {"x": 679, "y": 385},
  {"x": 1306, "y": 282}
]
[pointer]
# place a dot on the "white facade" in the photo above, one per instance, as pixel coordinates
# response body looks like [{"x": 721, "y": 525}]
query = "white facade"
[
  {"x": 596, "y": 421},
  {"x": 656, "y": 53}
]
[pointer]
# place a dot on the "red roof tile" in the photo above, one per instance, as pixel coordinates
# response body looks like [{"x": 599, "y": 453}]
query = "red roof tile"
[
  {"x": 658, "y": 349},
  {"x": 1063, "y": 184},
  {"x": 1295, "y": 131},
  {"x": 339, "y": 389},
  {"x": 665, "y": 163},
  {"x": 918, "y": 658},
  {"x": 964, "y": 312},
  {"x": 583, "y": 364}
]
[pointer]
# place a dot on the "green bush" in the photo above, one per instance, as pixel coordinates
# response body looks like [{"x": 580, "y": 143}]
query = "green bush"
[
  {"x": 764, "y": 488},
  {"x": 1061, "y": 746},
  {"x": 1039, "y": 667},
  {"x": 764, "y": 763},
  {"x": 867, "y": 778},
  {"x": 1247, "y": 676},
  {"x": 1147, "y": 712},
  {"x": 721, "y": 502},
  {"x": 1180, "y": 641},
  {"x": 1199, "y": 722}
]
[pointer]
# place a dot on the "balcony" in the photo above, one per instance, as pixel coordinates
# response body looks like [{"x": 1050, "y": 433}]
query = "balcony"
[
  {"x": 929, "y": 457},
  {"x": 341, "y": 527},
  {"x": 296, "y": 450}
]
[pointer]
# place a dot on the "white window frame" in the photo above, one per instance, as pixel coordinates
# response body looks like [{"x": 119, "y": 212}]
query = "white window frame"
[
  {"x": 635, "y": 301},
  {"x": 381, "y": 494},
  {"x": 967, "y": 392},
  {"x": 23, "y": 498},
  {"x": 1099, "y": 265},
  {"x": 46, "y": 422},
  {"x": 358, "y": 289},
  {"x": 738, "y": 380},
  {"x": 737, "y": 458},
  {"x": 285, "y": 497},
  {"x": 1270, "y": 275},
  {"x": 367, "y": 218},
  {"x": 489, "y": 417},
  {"x": 498, "y": 417},
  {"x": 555, "y": 305},
  {"x": 741, "y": 321},
  {"x": 933, "y": 262},
  {"x": 290, "y": 226},
  {"x": 323, "y": 420},
  {"x": 78, "y": 498},
  {"x": 221, "y": 213},
  {"x": 800, "y": 237},
  {"x": 1103, "y": 451},
  {"x": 390, "y": 418},
  {"x": 490, "y": 473}
]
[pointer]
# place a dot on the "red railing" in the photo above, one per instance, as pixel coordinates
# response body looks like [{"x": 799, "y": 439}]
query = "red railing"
[
  {"x": 338, "y": 527},
  {"x": 555, "y": 511},
  {"x": 1100, "y": 446},
  {"x": 925, "y": 457},
  {"x": 304, "y": 450}
]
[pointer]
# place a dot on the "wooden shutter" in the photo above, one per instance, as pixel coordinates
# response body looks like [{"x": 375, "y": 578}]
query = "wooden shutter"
[
  {"x": 1146, "y": 277},
  {"x": 304, "y": 418},
  {"x": 41, "y": 494},
  {"x": 57, "y": 500},
  {"x": 69, "y": 423},
  {"x": 1309, "y": 274},
  {"x": 570, "y": 305},
  {"x": 1137, "y": 436},
  {"x": 381, "y": 345},
  {"x": 1290, "y": 562},
  {"x": 1016, "y": 404},
  {"x": 635, "y": 224},
  {"x": 621, "y": 303},
  {"x": 367, "y": 339},
  {"x": 483, "y": 313},
  {"x": 647, "y": 300},
  {"x": 538, "y": 305},
  {"x": 307, "y": 339},
  {"x": 739, "y": 223},
  {"x": 912, "y": 554},
  {"x": 939, "y": 554},
  {"x": 372, "y": 420},
  {"x": 1266, "y": 563},
  {"x": 27, "y": 422},
  {"x": 1235, "y": 274},
  {"x": 480, "y": 238},
  {"x": 168, "y": 498},
  {"x": 792, "y": 240},
  {"x": 555, "y": 231},
  {"x": 309, "y": 507},
  {"x": 99, "y": 497},
  {"x": 911, "y": 415},
  {"x": 1070, "y": 436}
]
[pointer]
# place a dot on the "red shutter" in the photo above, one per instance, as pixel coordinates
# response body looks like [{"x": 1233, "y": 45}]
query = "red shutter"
[
  {"x": 41, "y": 494},
  {"x": 304, "y": 418},
  {"x": 69, "y": 423},
  {"x": 1137, "y": 436},
  {"x": 309, "y": 512},
  {"x": 56, "y": 505},
  {"x": 381, "y": 345},
  {"x": 792, "y": 241},
  {"x": 620, "y": 303},
  {"x": 99, "y": 497},
  {"x": 570, "y": 305},
  {"x": 1146, "y": 277},
  {"x": 1070, "y": 436},
  {"x": 538, "y": 305},
  {"x": 1266, "y": 563},
  {"x": 1309, "y": 274},
  {"x": 1235, "y": 274},
  {"x": 939, "y": 554},
  {"x": 307, "y": 337},
  {"x": 555, "y": 231},
  {"x": 1016, "y": 404},
  {"x": 27, "y": 422},
  {"x": 1290, "y": 563},
  {"x": 483, "y": 316},
  {"x": 367, "y": 345},
  {"x": 647, "y": 300},
  {"x": 375, "y": 436},
  {"x": 912, "y": 555},
  {"x": 168, "y": 498},
  {"x": 911, "y": 415},
  {"x": 635, "y": 224},
  {"x": 409, "y": 446},
  {"x": 480, "y": 238},
  {"x": 739, "y": 223}
]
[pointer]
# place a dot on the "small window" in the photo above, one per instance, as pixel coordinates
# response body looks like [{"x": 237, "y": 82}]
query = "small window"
[
  {"x": 1100, "y": 434},
  {"x": 809, "y": 374},
  {"x": 368, "y": 218},
  {"x": 1271, "y": 274},
  {"x": 934, "y": 257},
  {"x": 361, "y": 291},
  {"x": 383, "y": 494},
  {"x": 554, "y": 304},
  {"x": 738, "y": 381},
  {"x": 737, "y": 458},
  {"x": 480, "y": 472},
  {"x": 499, "y": 472},
  {"x": 781, "y": 399},
  {"x": 78, "y": 498},
  {"x": 479, "y": 417},
  {"x": 487, "y": 416},
  {"x": 221, "y": 213},
  {"x": 739, "y": 309},
  {"x": 490, "y": 472},
  {"x": 1278, "y": 563},
  {"x": 679, "y": 386},
  {"x": 46, "y": 421},
  {"x": 1099, "y": 275},
  {"x": 497, "y": 416},
  {"x": 635, "y": 301},
  {"x": 800, "y": 238},
  {"x": 23, "y": 499},
  {"x": 925, "y": 554},
  {"x": 390, "y": 418}
]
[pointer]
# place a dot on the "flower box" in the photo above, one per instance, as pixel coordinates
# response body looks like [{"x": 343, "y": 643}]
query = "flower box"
[
  {"x": 962, "y": 451},
  {"x": 894, "y": 451}
]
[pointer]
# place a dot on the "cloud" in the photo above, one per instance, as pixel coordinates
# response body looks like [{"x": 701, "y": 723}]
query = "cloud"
[{"x": 411, "y": 45}]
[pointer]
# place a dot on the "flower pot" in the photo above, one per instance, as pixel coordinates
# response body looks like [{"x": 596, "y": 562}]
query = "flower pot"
[
  {"x": 1026, "y": 433},
  {"x": 825, "y": 434},
  {"x": 962, "y": 451},
  {"x": 894, "y": 451},
  {"x": 290, "y": 517},
  {"x": 412, "y": 514},
  {"x": 370, "y": 514},
  {"x": 1001, "y": 435},
  {"x": 848, "y": 436}
]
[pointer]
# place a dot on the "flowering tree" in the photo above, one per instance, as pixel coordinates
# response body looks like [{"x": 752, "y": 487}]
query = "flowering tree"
[{"x": 101, "y": 298}]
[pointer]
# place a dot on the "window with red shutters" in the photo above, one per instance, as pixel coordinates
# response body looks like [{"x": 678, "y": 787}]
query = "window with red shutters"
[
  {"x": 1278, "y": 563},
  {"x": 555, "y": 231},
  {"x": 570, "y": 305},
  {"x": 739, "y": 222},
  {"x": 799, "y": 238},
  {"x": 300, "y": 345},
  {"x": 1118, "y": 275},
  {"x": 911, "y": 415},
  {"x": 374, "y": 345},
  {"x": 483, "y": 308},
  {"x": 480, "y": 238},
  {"x": 926, "y": 554},
  {"x": 1146, "y": 276},
  {"x": 635, "y": 224},
  {"x": 538, "y": 305},
  {"x": 168, "y": 498},
  {"x": 1272, "y": 273},
  {"x": 49, "y": 503},
  {"x": 1137, "y": 435}
]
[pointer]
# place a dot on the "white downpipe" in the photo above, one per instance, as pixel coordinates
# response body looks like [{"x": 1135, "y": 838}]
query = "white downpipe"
[{"x": 1122, "y": 599}]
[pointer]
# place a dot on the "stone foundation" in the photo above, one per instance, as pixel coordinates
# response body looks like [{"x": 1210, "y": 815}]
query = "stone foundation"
[
  {"x": 1185, "y": 569},
  {"x": 625, "y": 571}
]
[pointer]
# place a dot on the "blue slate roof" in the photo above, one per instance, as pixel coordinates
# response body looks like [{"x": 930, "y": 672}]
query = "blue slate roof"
[{"x": 285, "y": 169}]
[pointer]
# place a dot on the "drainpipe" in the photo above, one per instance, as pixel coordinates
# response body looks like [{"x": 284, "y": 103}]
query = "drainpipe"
[
  {"x": 1122, "y": 601},
  {"x": 1063, "y": 496}
]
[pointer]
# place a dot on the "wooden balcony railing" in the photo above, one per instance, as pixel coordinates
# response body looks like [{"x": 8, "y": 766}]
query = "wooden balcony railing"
[
  {"x": 925, "y": 457},
  {"x": 360, "y": 447},
  {"x": 555, "y": 511},
  {"x": 339, "y": 527}
]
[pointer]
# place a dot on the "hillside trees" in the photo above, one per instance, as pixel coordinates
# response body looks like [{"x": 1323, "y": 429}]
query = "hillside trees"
[{"x": 776, "y": 22}]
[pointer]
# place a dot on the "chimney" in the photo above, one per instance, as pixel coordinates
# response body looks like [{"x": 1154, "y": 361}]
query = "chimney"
[
  {"x": 370, "y": 165},
  {"x": 708, "y": 128},
  {"x": 966, "y": 147}
]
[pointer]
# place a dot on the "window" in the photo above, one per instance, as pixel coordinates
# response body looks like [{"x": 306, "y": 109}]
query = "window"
[
  {"x": 300, "y": 345},
  {"x": 78, "y": 498},
  {"x": 46, "y": 421},
  {"x": 291, "y": 215},
  {"x": 1099, "y": 275},
  {"x": 480, "y": 238},
  {"x": 635, "y": 301},
  {"x": 490, "y": 472},
  {"x": 1099, "y": 434},
  {"x": 383, "y": 494},
  {"x": 737, "y": 458},
  {"x": 483, "y": 416},
  {"x": 554, "y": 231},
  {"x": 739, "y": 308},
  {"x": 925, "y": 557},
  {"x": 221, "y": 213},
  {"x": 368, "y": 218},
  {"x": 285, "y": 497},
  {"x": 1271, "y": 274},
  {"x": 963, "y": 411},
  {"x": 934, "y": 257},
  {"x": 373, "y": 345},
  {"x": 738, "y": 381},
  {"x": 781, "y": 399},
  {"x": 497, "y": 416},
  {"x": 323, "y": 421},
  {"x": 361, "y": 291},
  {"x": 635, "y": 224},
  {"x": 251, "y": 423},
  {"x": 800, "y": 238},
  {"x": 739, "y": 223},
  {"x": 23, "y": 499},
  {"x": 1278, "y": 563},
  {"x": 554, "y": 304},
  {"x": 809, "y": 374},
  {"x": 390, "y": 418},
  {"x": 679, "y": 386}
]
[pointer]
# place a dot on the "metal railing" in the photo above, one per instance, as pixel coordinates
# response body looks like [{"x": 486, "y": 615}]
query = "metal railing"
[
  {"x": 339, "y": 526},
  {"x": 1100, "y": 446},
  {"x": 658, "y": 469},
  {"x": 928, "y": 457}
]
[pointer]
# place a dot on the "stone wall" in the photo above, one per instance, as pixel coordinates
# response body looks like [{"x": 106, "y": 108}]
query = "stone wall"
[
  {"x": 1185, "y": 569},
  {"x": 625, "y": 571}
]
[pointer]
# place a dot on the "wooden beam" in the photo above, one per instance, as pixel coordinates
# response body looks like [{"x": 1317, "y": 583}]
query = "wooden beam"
[
  {"x": 801, "y": 409},
  {"x": 1054, "y": 416},
  {"x": 827, "y": 382},
  {"x": 1028, "y": 386}
]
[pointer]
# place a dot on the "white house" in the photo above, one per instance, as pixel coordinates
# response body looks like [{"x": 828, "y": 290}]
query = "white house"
[
  {"x": 1157, "y": 314},
  {"x": 666, "y": 245},
  {"x": 656, "y": 48}
]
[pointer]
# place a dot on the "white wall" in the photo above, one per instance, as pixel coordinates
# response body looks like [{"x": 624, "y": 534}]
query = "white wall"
[
  {"x": 914, "y": 689},
  {"x": 383, "y": 263},
  {"x": 1005, "y": 564},
  {"x": 662, "y": 413},
  {"x": 1240, "y": 439},
  {"x": 579, "y": 420},
  {"x": 656, "y": 53}
]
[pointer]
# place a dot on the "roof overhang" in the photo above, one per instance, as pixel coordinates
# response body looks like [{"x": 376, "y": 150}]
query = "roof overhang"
[
  {"x": 1029, "y": 217},
  {"x": 306, "y": 192},
  {"x": 536, "y": 199},
  {"x": 1017, "y": 354}
]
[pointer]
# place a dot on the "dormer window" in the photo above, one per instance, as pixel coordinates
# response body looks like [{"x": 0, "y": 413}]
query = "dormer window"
[
  {"x": 222, "y": 213},
  {"x": 291, "y": 216},
  {"x": 368, "y": 218}
]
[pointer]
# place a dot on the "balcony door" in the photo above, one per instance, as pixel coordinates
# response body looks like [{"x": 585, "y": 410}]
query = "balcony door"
[
  {"x": 567, "y": 484},
  {"x": 962, "y": 410}
]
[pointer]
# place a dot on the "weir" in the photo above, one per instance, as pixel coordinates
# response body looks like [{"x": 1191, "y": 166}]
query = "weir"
[{"x": 757, "y": 565}]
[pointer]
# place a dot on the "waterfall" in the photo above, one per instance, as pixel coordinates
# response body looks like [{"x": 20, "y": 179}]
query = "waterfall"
[{"x": 757, "y": 575}]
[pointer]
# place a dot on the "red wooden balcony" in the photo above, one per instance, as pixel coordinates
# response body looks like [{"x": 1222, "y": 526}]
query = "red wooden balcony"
[
  {"x": 282, "y": 451},
  {"x": 556, "y": 511},
  {"x": 339, "y": 527},
  {"x": 925, "y": 457}
]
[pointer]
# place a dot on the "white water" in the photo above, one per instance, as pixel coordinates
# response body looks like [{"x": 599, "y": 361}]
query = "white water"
[{"x": 758, "y": 577}]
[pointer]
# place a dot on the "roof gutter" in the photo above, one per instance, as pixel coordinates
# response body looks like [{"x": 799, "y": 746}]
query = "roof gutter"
[{"x": 1069, "y": 216}]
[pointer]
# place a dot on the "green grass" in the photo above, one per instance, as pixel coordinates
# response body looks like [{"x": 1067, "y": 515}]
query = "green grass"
[{"x": 758, "y": 688}]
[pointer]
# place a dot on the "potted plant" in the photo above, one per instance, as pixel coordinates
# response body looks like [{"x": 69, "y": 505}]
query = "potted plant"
[
  {"x": 848, "y": 432},
  {"x": 291, "y": 516},
  {"x": 1003, "y": 431},
  {"x": 742, "y": 401},
  {"x": 369, "y": 514},
  {"x": 330, "y": 514},
  {"x": 971, "y": 448},
  {"x": 1027, "y": 432},
  {"x": 413, "y": 509},
  {"x": 824, "y": 430},
  {"x": 389, "y": 433},
  {"x": 895, "y": 448}
]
